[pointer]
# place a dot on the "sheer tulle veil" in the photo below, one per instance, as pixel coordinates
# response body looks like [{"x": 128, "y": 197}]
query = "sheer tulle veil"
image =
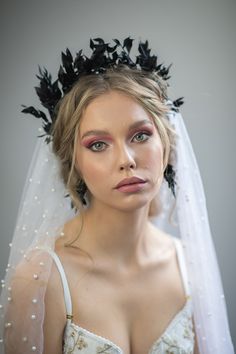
[{"x": 42, "y": 213}]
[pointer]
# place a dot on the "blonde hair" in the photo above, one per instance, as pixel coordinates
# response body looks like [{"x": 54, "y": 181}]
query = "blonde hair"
[{"x": 147, "y": 89}]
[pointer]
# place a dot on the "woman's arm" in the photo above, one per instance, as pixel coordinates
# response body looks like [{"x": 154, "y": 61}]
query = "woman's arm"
[
  {"x": 196, "y": 349},
  {"x": 55, "y": 315},
  {"x": 24, "y": 329}
]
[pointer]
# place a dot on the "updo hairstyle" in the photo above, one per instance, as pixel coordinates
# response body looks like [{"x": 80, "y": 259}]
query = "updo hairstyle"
[{"x": 147, "y": 89}]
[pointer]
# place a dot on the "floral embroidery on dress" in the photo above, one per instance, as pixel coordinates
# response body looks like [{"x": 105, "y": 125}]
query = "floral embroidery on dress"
[
  {"x": 81, "y": 343},
  {"x": 75, "y": 341},
  {"x": 78, "y": 340},
  {"x": 104, "y": 349},
  {"x": 178, "y": 338}
]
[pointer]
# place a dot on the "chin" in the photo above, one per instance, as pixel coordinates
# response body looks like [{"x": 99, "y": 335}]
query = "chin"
[{"x": 132, "y": 203}]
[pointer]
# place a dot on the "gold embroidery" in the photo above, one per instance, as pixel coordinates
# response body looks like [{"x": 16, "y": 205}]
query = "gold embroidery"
[
  {"x": 182, "y": 340},
  {"x": 80, "y": 344},
  {"x": 103, "y": 349},
  {"x": 187, "y": 333}
]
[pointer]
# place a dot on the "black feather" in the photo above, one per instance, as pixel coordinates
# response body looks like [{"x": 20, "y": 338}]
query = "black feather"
[{"x": 104, "y": 55}]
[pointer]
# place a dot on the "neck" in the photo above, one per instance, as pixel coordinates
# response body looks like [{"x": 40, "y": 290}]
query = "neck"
[{"x": 120, "y": 235}]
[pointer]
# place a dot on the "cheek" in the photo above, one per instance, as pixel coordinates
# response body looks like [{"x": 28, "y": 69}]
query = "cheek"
[
  {"x": 92, "y": 171},
  {"x": 154, "y": 158}
]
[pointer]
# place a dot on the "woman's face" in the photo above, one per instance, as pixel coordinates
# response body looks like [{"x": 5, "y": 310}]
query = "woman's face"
[{"x": 117, "y": 141}]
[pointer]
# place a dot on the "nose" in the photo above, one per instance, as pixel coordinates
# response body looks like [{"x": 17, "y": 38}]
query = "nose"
[{"x": 126, "y": 159}]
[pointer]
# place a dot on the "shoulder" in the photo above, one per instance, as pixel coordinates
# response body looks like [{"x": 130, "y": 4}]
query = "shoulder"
[
  {"x": 36, "y": 275},
  {"x": 165, "y": 240},
  {"x": 35, "y": 296},
  {"x": 76, "y": 260},
  {"x": 169, "y": 246},
  {"x": 165, "y": 250},
  {"x": 161, "y": 241},
  {"x": 31, "y": 270}
]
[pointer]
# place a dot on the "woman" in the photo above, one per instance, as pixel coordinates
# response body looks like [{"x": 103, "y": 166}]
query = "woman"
[{"x": 108, "y": 280}]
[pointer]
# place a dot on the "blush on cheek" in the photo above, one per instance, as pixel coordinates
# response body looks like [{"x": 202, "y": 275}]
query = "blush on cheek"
[
  {"x": 155, "y": 159},
  {"x": 155, "y": 166}
]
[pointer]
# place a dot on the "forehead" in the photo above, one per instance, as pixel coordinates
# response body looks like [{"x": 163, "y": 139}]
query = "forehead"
[{"x": 111, "y": 110}]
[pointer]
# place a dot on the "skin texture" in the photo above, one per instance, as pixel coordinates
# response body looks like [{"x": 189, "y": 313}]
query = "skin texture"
[
  {"x": 131, "y": 287},
  {"x": 130, "y": 146}
]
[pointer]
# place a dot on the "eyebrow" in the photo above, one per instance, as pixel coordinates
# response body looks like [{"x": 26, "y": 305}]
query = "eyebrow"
[{"x": 103, "y": 132}]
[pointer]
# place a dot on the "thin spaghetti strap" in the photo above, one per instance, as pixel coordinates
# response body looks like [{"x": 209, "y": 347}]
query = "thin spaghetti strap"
[
  {"x": 182, "y": 265},
  {"x": 67, "y": 296}
]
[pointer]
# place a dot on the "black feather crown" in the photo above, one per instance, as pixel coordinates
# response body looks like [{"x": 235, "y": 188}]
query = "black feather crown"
[{"x": 103, "y": 56}]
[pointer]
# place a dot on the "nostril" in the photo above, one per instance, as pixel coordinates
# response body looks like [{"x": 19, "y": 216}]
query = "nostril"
[{"x": 127, "y": 166}]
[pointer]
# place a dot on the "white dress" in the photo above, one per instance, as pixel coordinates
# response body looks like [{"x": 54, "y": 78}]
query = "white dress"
[{"x": 178, "y": 337}]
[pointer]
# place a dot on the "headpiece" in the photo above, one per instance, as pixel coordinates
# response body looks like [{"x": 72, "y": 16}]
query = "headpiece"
[
  {"x": 44, "y": 210},
  {"x": 103, "y": 57}
]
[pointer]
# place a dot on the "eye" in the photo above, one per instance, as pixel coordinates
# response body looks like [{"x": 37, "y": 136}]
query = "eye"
[
  {"x": 141, "y": 136},
  {"x": 98, "y": 146}
]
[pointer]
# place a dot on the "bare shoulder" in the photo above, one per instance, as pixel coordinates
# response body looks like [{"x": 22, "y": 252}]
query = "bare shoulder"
[
  {"x": 69, "y": 250},
  {"x": 30, "y": 293},
  {"x": 55, "y": 312},
  {"x": 35, "y": 275},
  {"x": 162, "y": 241},
  {"x": 32, "y": 271},
  {"x": 166, "y": 251}
]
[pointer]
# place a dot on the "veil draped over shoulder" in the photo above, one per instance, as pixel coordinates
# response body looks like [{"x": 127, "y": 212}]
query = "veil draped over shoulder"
[{"x": 43, "y": 211}]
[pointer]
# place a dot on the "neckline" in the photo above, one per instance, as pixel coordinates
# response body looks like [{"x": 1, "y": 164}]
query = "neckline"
[{"x": 171, "y": 324}]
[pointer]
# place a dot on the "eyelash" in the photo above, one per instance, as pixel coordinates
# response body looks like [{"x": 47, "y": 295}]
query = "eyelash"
[{"x": 147, "y": 133}]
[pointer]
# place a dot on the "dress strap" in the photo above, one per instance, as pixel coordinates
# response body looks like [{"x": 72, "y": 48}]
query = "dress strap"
[
  {"x": 67, "y": 296},
  {"x": 182, "y": 265}
]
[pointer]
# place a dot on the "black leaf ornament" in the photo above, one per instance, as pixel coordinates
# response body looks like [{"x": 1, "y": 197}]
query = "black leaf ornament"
[
  {"x": 177, "y": 103},
  {"x": 169, "y": 175},
  {"x": 104, "y": 56}
]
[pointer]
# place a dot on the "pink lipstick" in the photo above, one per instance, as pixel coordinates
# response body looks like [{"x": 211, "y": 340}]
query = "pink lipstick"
[{"x": 131, "y": 185}]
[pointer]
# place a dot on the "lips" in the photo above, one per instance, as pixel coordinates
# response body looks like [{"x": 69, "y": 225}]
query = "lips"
[{"x": 130, "y": 181}]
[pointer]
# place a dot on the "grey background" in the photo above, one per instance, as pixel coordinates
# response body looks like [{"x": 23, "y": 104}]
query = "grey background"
[{"x": 198, "y": 37}]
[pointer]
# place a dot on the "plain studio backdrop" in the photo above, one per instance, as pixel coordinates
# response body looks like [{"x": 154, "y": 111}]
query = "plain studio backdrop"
[{"x": 198, "y": 37}]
